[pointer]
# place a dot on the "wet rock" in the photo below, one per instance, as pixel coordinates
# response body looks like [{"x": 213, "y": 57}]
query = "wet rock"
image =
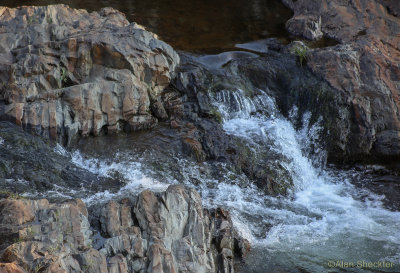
[
  {"x": 31, "y": 165},
  {"x": 277, "y": 73},
  {"x": 364, "y": 71},
  {"x": 67, "y": 72}
]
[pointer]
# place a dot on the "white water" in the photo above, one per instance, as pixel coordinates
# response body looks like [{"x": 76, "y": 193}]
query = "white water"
[{"x": 325, "y": 218}]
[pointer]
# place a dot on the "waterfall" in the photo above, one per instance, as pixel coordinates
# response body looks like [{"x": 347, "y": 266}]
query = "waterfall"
[{"x": 323, "y": 218}]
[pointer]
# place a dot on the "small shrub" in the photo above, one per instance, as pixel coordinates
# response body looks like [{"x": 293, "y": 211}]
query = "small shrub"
[
  {"x": 63, "y": 75},
  {"x": 34, "y": 19},
  {"x": 301, "y": 51},
  {"x": 39, "y": 267}
]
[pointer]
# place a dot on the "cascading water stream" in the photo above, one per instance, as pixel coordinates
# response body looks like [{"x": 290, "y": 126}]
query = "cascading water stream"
[{"x": 323, "y": 219}]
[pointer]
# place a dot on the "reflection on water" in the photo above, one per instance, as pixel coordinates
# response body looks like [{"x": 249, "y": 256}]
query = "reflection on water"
[{"x": 199, "y": 26}]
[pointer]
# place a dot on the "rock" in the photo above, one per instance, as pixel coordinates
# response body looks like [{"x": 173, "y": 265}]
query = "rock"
[
  {"x": 363, "y": 69},
  {"x": 17, "y": 212},
  {"x": 47, "y": 237},
  {"x": 177, "y": 231},
  {"x": 10, "y": 268},
  {"x": 92, "y": 261},
  {"x": 228, "y": 249},
  {"x": 306, "y": 26},
  {"x": 392, "y": 7},
  {"x": 32, "y": 165},
  {"x": 118, "y": 264},
  {"x": 116, "y": 219},
  {"x": 67, "y": 72},
  {"x": 159, "y": 232},
  {"x": 173, "y": 233}
]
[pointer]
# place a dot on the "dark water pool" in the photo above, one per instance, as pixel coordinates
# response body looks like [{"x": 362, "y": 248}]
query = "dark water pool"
[{"x": 206, "y": 26}]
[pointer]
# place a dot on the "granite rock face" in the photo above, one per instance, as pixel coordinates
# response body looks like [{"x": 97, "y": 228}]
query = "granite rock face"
[
  {"x": 67, "y": 72},
  {"x": 159, "y": 232},
  {"x": 37, "y": 234},
  {"x": 363, "y": 68}
]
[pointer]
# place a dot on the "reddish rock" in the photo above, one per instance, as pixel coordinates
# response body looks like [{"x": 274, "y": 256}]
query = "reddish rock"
[
  {"x": 364, "y": 69},
  {"x": 39, "y": 234},
  {"x": 11, "y": 268},
  {"x": 16, "y": 212}
]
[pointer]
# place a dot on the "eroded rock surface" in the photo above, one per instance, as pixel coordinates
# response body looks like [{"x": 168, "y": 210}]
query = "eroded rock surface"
[
  {"x": 67, "y": 72},
  {"x": 159, "y": 232},
  {"x": 364, "y": 69},
  {"x": 30, "y": 164}
]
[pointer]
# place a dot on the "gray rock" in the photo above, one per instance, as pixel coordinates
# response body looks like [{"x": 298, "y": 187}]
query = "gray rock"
[
  {"x": 306, "y": 26},
  {"x": 68, "y": 72},
  {"x": 173, "y": 233}
]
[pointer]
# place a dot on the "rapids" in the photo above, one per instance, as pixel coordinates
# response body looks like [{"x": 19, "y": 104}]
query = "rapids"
[{"x": 324, "y": 222}]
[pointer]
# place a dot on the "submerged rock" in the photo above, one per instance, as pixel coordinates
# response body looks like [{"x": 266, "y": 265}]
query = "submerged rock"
[
  {"x": 67, "y": 72},
  {"x": 159, "y": 232}
]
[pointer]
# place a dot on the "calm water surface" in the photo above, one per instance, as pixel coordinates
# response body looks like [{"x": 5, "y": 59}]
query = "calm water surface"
[{"x": 206, "y": 26}]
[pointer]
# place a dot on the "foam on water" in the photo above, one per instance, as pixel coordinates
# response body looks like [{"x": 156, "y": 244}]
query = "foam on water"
[
  {"x": 324, "y": 217},
  {"x": 129, "y": 169}
]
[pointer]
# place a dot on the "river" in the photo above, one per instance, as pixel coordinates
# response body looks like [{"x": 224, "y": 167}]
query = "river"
[{"x": 325, "y": 223}]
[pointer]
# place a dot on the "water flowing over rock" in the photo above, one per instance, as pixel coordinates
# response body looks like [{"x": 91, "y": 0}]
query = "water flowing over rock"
[
  {"x": 249, "y": 85},
  {"x": 159, "y": 232},
  {"x": 363, "y": 69},
  {"x": 67, "y": 72},
  {"x": 29, "y": 163}
]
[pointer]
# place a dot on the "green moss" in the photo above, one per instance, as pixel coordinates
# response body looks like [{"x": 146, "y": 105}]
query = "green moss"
[
  {"x": 216, "y": 115},
  {"x": 10, "y": 195},
  {"x": 34, "y": 19},
  {"x": 63, "y": 75}
]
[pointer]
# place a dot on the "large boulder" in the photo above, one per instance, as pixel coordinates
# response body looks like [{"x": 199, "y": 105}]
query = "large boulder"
[
  {"x": 168, "y": 232},
  {"x": 67, "y": 72},
  {"x": 159, "y": 232},
  {"x": 364, "y": 69}
]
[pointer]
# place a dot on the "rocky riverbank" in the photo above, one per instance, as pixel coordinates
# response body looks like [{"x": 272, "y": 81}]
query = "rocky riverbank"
[
  {"x": 68, "y": 75},
  {"x": 164, "y": 232}
]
